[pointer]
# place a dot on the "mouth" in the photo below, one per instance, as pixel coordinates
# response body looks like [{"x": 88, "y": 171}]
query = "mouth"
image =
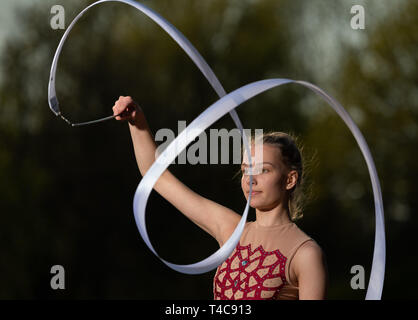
[{"x": 254, "y": 193}]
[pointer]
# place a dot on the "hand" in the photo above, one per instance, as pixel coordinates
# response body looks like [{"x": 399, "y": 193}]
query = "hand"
[{"x": 127, "y": 109}]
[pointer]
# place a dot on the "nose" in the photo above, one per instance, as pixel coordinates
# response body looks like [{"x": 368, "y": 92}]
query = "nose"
[{"x": 247, "y": 179}]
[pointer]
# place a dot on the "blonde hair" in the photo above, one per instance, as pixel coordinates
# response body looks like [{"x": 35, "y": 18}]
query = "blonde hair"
[{"x": 291, "y": 155}]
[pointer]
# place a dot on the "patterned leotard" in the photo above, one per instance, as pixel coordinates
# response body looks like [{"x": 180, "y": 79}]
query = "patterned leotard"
[{"x": 254, "y": 273}]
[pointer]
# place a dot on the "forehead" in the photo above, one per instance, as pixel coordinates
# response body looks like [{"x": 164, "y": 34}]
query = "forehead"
[{"x": 264, "y": 153}]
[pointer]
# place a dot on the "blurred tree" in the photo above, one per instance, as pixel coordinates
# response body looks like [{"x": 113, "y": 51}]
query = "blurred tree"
[{"x": 380, "y": 87}]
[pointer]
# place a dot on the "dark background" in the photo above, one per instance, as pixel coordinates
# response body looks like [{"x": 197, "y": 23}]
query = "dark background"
[{"x": 66, "y": 193}]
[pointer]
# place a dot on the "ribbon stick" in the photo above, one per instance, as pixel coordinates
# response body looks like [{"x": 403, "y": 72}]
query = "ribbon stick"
[{"x": 227, "y": 104}]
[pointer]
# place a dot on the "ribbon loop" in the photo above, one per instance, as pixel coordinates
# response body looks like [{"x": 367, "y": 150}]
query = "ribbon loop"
[{"x": 227, "y": 104}]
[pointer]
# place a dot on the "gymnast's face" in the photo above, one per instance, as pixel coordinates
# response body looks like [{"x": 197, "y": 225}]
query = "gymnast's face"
[{"x": 269, "y": 179}]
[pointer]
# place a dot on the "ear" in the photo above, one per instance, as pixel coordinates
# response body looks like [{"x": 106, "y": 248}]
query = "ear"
[{"x": 292, "y": 179}]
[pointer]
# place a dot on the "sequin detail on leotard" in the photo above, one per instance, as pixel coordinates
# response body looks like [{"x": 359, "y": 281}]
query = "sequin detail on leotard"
[{"x": 250, "y": 275}]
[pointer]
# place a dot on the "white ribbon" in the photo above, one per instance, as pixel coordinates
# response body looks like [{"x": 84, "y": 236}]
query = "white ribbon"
[{"x": 228, "y": 103}]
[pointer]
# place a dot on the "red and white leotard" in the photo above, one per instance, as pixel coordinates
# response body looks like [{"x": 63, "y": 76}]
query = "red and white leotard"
[{"x": 258, "y": 268}]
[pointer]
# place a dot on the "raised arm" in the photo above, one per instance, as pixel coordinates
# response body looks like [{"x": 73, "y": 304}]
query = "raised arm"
[{"x": 217, "y": 220}]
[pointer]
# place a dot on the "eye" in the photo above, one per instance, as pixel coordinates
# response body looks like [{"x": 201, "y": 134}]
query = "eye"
[{"x": 263, "y": 171}]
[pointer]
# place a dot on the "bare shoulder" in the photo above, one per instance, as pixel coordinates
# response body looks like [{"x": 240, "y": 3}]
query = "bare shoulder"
[
  {"x": 308, "y": 252},
  {"x": 308, "y": 258},
  {"x": 311, "y": 271},
  {"x": 309, "y": 262}
]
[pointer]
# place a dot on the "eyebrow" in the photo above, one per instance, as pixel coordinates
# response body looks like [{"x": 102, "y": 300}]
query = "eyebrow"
[{"x": 246, "y": 165}]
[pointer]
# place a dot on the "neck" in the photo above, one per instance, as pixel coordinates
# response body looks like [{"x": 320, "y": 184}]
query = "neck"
[{"x": 276, "y": 216}]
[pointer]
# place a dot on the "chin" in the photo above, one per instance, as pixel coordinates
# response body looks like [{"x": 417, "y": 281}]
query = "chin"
[{"x": 254, "y": 204}]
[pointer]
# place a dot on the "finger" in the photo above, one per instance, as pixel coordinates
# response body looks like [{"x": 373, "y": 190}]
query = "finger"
[
  {"x": 127, "y": 113},
  {"x": 130, "y": 108},
  {"x": 122, "y": 118},
  {"x": 120, "y": 107}
]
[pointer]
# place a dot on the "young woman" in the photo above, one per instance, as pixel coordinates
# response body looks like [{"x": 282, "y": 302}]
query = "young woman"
[{"x": 274, "y": 259}]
